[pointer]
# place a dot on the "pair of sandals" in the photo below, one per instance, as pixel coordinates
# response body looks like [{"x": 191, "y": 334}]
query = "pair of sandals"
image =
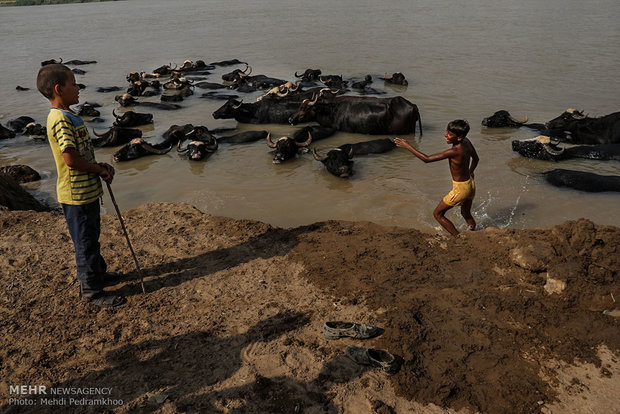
[
  {"x": 105, "y": 299},
  {"x": 379, "y": 358}
]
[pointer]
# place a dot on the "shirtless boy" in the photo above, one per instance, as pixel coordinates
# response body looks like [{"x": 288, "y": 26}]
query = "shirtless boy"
[{"x": 462, "y": 170}]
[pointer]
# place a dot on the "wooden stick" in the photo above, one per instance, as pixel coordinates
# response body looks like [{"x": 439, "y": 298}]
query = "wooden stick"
[{"x": 120, "y": 218}]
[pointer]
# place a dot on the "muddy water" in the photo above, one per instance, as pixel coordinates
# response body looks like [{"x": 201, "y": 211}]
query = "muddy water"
[{"x": 466, "y": 61}]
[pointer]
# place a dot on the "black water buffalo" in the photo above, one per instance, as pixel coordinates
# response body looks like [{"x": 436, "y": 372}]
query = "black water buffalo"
[
  {"x": 78, "y": 71},
  {"x": 576, "y": 128},
  {"x": 189, "y": 66},
  {"x": 137, "y": 88},
  {"x": 318, "y": 132},
  {"x": 309, "y": 75},
  {"x": 375, "y": 146},
  {"x": 18, "y": 124},
  {"x": 132, "y": 119},
  {"x": 88, "y": 110},
  {"x": 333, "y": 81},
  {"x": 138, "y": 147},
  {"x": 543, "y": 148},
  {"x": 21, "y": 88},
  {"x": 396, "y": 79},
  {"x": 360, "y": 114},
  {"x": 115, "y": 136},
  {"x": 21, "y": 173},
  {"x": 35, "y": 129},
  {"x": 336, "y": 161},
  {"x": 252, "y": 83},
  {"x": 77, "y": 62},
  {"x": 363, "y": 83},
  {"x": 218, "y": 97},
  {"x": 503, "y": 119},
  {"x": 51, "y": 62},
  {"x": 287, "y": 148},
  {"x": 269, "y": 110},
  {"x": 105, "y": 89},
  {"x": 583, "y": 181},
  {"x": 210, "y": 85},
  {"x": 128, "y": 100},
  {"x": 243, "y": 137},
  {"x": 202, "y": 143},
  {"x": 237, "y": 73},
  {"x": 228, "y": 62},
  {"x": 164, "y": 70},
  {"x": 6, "y": 133}
]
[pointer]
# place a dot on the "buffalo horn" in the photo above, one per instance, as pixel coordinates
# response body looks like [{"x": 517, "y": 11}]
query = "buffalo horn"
[
  {"x": 305, "y": 143},
  {"x": 317, "y": 156},
  {"x": 237, "y": 106},
  {"x": 517, "y": 121},
  {"x": 270, "y": 142},
  {"x": 295, "y": 86},
  {"x": 313, "y": 101},
  {"x": 180, "y": 149},
  {"x": 298, "y": 76},
  {"x": 115, "y": 116},
  {"x": 552, "y": 150},
  {"x": 99, "y": 135}
]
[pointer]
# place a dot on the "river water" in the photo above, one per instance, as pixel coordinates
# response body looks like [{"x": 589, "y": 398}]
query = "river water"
[{"x": 463, "y": 59}]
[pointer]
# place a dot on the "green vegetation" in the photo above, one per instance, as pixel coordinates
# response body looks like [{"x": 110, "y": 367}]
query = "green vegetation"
[{"x": 38, "y": 2}]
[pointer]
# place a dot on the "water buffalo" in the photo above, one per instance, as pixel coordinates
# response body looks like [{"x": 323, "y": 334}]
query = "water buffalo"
[
  {"x": 583, "y": 181},
  {"x": 132, "y": 119},
  {"x": 336, "y": 161},
  {"x": 21, "y": 173},
  {"x": 375, "y": 146},
  {"x": 88, "y": 110},
  {"x": 51, "y": 62},
  {"x": 333, "y": 81},
  {"x": 210, "y": 85},
  {"x": 115, "y": 136},
  {"x": 21, "y": 88},
  {"x": 309, "y": 75},
  {"x": 503, "y": 119},
  {"x": 269, "y": 110},
  {"x": 138, "y": 147},
  {"x": 360, "y": 114},
  {"x": 6, "y": 133},
  {"x": 576, "y": 128},
  {"x": 236, "y": 74},
  {"x": 396, "y": 79},
  {"x": 128, "y": 100},
  {"x": 77, "y": 62},
  {"x": 18, "y": 124},
  {"x": 228, "y": 63},
  {"x": 202, "y": 143},
  {"x": 318, "y": 132},
  {"x": 164, "y": 69},
  {"x": 363, "y": 83},
  {"x": 287, "y": 148},
  {"x": 243, "y": 137},
  {"x": 189, "y": 66},
  {"x": 78, "y": 71},
  {"x": 105, "y": 89},
  {"x": 542, "y": 148},
  {"x": 35, "y": 129}
]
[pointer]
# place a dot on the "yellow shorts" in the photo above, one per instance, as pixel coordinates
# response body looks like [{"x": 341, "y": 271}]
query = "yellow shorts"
[{"x": 461, "y": 191}]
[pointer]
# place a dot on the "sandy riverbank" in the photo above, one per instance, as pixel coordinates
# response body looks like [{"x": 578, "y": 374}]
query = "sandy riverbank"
[{"x": 496, "y": 320}]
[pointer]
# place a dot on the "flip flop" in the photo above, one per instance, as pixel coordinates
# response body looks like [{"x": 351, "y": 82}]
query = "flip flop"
[
  {"x": 106, "y": 300},
  {"x": 339, "y": 329}
]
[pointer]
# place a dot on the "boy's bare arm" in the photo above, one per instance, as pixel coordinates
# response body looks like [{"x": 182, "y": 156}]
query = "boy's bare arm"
[
  {"x": 426, "y": 158},
  {"x": 74, "y": 160},
  {"x": 474, "y": 160}
]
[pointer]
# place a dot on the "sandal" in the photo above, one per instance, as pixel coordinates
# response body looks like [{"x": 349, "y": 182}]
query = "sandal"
[{"x": 106, "y": 300}]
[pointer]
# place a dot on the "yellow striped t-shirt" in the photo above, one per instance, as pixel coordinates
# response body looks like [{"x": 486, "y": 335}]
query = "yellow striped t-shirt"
[{"x": 67, "y": 130}]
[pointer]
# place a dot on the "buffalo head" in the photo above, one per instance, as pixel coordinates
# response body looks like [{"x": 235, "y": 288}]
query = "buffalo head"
[
  {"x": 131, "y": 119},
  {"x": 540, "y": 148},
  {"x": 139, "y": 148},
  {"x": 286, "y": 148},
  {"x": 396, "y": 79},
  {"x": 337, "y": 162},
  {"x": 502, "y": 119},
  {"x": 228, "y": 110}
]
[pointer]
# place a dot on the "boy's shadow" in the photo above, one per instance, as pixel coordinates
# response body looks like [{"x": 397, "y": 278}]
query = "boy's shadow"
[{"x": 271, "y": 243}]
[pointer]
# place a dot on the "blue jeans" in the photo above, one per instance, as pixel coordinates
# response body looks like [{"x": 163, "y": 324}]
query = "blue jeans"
[{"x": 84, "y": 226}]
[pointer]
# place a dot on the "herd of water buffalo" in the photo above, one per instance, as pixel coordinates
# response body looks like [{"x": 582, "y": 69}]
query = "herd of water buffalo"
[{"x": 324, "y": 102}]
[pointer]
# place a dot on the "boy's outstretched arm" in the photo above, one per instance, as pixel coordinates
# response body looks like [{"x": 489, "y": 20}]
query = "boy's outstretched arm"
[
  {"x": 74, "y": 160},
  {"x": 474, "y": 161},
  {"x": 402, "y": 143}
]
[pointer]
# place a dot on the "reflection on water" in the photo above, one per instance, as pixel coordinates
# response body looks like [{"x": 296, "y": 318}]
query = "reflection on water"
[{"x": 467, "y": 61}]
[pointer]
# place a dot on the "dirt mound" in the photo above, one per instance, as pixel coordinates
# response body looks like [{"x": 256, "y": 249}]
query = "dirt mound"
[
  {"x": 14, "y": 197},
  {"x": 493, "y": 321}
]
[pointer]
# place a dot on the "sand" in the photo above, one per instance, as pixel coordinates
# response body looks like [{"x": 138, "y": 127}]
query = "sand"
[{"x": 493, "y": 321}]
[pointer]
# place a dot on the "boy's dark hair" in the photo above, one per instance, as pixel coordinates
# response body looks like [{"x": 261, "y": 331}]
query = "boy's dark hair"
[
  {"x": 459, "y": 127},
  {"x": 50, "y": 76}
]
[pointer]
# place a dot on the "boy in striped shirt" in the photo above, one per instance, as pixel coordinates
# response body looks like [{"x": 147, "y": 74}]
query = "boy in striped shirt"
[{"x": 78, "y": 187}]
